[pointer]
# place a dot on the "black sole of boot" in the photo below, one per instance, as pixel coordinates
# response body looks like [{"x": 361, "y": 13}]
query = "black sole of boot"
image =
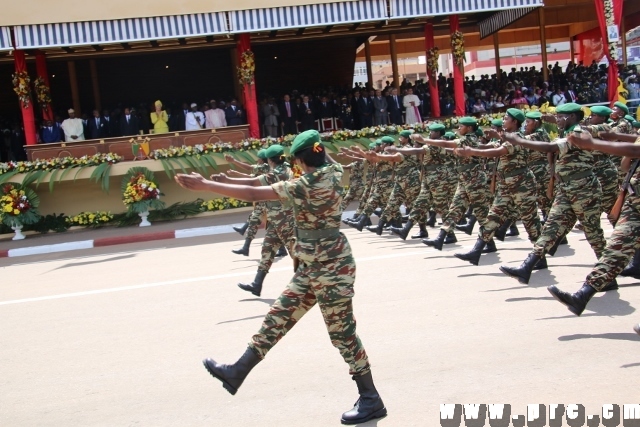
[
  {"x": 231, "y": 389},
  {"x": 570, "y": 308},
  {"x": 520, "y": 279},
  {"x": 380, "y": 413}
]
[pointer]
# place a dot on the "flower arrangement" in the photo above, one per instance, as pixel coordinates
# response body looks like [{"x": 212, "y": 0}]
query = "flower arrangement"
[
  {"x": 43, "y": 93},
  {"x": 58, "y": 163},
  {"x": 221, "y": 204},
  {"x": 610, "y": 21},
  {"x": 90, "y": 219},
  {"x": 433, "y": 55},
  {"x": 457, "y": 48},
  {"x": 18, "y": 205},
  {"x": 139, "y": 191},
  {"x": 21, "y": 86},
  {"x": 247, "y": 68}
]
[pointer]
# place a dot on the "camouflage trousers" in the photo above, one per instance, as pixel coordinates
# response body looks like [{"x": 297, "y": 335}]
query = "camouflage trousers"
[
  {"x": 452, "y": 179},
  {"x": 280, "y": 231},
  {"x": 330, "y": 284},
  {"x": 355, "y": 192},
  {"x": 405, "y": 190},
  {"x": 620, "y": 246},
  {"x": 579, "y": 199},
  {"x": 473, "y": 190},
  {"x": 542, "y": 175},
  {"x": 379, "y": 196},
  {"x": 607, "y": 175},
  {"x": 255, "y": 219},
  {"x": 364, "y": 198},
  {"x": 433, "y": 196},
  {"x": 517, "y": 193}
]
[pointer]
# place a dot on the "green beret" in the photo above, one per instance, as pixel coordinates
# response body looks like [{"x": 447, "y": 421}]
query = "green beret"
[
  {"x": 378, "y": 141},
  {"x": 406, "y": 133},
  {"x": 436, "y": 127},
  {"x": 274, "y": 151},
  {"x": 387, "y": 140},
  {"x": 534, "y": 115},
  {"x": 372, "y": 146},
  {"x": 262, "y": 154},
  {"x": 479, "y": 133},
  {"x": 516, "y": 114},
  {"x": 569, "y": 108},
  {"x": 601, "y": 110},
  {"x": 497, "y": 122},
  {"x": 629, "y": 118},
  {"x": 449, "y": 135},
  {"x": 468, "y": 121},
  {"x": 304, "y": 140},
  {"x": 622, "y": 106},
  {"x": 636, "y": 124}
]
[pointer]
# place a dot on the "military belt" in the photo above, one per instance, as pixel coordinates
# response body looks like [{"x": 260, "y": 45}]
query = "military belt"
[
  {"x": 431, "y": 167},
  {"x": 467, "y": 167},
  {"x": 513, "y": 172},
  {"x": 273, "y": 204},
  {"x": 317, "y": 234},
  {"x": 574, "y": 176},
  {"x": 539, "y": 162},
  {"x": 600, "y": 157}
]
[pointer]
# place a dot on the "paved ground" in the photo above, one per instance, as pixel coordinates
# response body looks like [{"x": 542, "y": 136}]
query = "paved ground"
[{"x": 115, "y": 336}]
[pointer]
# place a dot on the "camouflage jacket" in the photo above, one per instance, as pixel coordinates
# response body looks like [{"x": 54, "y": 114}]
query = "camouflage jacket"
[
  {"x": 571, "y": 159},
  {"x": 542, "y": 135},
  {"x": 468, "y": 140},
  {"x": 408, "y": 165},
  {"x": 280, "y": 173},
  {"x": 259, "y": 169},
  {"x": 356, "y": 173},
  {"x": 384, "y": 171},
  {"x": 515, "y": 158}
]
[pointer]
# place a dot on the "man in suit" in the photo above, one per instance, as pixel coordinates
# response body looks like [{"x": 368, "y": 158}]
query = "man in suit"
[
  {"x": 271, "y": 114},
  {"x": 96, "y": 128},
  {"x": 129, "y": 124},
  {"x": 288, "y": 116},
  {"x": 50, "y": 133},
  {"x": 380, "y": 116},
  {"x": 355, "y": 110},
  {"x": 181, "y": 117},
  {"x": 448, "y": 106},
  {"x": 365, "y": 108},
  {"x": 17, "y": 143},
  {"x": 233, "y": 114},
  {"x": 110, "y": 124},
  {"x": 325, "y": 111},
  {"x": 394, "y": 106},
  {"x": 306, "y": 115}
]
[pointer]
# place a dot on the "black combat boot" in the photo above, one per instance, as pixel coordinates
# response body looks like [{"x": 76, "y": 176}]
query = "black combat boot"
[
  {"x": 242, "y": 229},
  {"x": 542, "y": 264},
  {"x": 404, "y": 231},
  {"x": 254, "y": 287},
  {"x": 576, "y": 303},
  {"x": 633, "y": 268},
  {"x": 437, "y": 242},
  {"x": 347, "y": 221},
  {"x": 612, "y": 286},
  {"x": 522, "y": 273},
  {"x": 360, "y": 222},
  {"x": 513, "y": 230},
  {"x": 282, "y": 252},
  {"x": 561, "y": 241},
  {"x": 473, "y": 256},
  {"x": 243, "y": 250},
  {"x": 502, "y": 231},
  {"x": 468, "y": 227},
  {"x": 369, "y": 406},
  {"x": 490, "y": 247},
  {"x": 405, "y": 218},
  {"x": 232, "y": 376},
  {"x": 451, "y": 238},
  {"x": 378, "y": 212},
  {"x": 377, "y": 228},
  {"x": 469, "y": 212},
  {"x": 431, "y": 222},
  {"x": 423, "y": 234}
]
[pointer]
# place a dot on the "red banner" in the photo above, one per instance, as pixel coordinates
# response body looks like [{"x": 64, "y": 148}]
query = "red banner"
[
  {"x": 458, "y": 77},
  {"x": 612, "y": 81},
  {"x": 27, "y": 111},
  {"x": 249, "y": 91},
  {"x": 429, "y": 43},
  {"x": 41, "y": 71}
]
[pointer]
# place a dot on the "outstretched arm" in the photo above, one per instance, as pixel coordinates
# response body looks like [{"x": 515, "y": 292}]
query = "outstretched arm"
[
  {"x": 404, "y": 151},
  {"x": 241, "y": 165},
  {"x": 434, "y": 142},
  {"x": 196, "y": 182},
  {"x": 586, "y": 142},
  {"x": 475, "y": 152},
  {"x": 222, "y": 178},
  {"x": 544, "y": 147}
]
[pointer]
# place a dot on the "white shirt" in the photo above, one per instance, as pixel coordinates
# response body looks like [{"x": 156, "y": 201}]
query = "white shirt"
[
  {"x": 73, "y": 127},
  {"x": 215, "y": 118},
  {"x": 191, "y": 123}
]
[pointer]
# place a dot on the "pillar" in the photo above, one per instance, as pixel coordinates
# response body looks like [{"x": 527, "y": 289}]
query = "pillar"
[
  {"x": 249, "y": 91},
  {"x": 572, "y": 52},
  {"x": 41, "y": 70},
  {"x": 26, "y": 109},
  {"x": 95, "y": 85},
  {"x": 73, "y": 81},
  {"x": 394, "y": 60},
  {"x": 496, "y": 53},
  {"x": 367, "y": 54},
  {"x": 623, "y": 38},
  {"x": 458, "y": 73},
  {"x": 543, "y": 44},
  {"x": 429, "y": 42}
]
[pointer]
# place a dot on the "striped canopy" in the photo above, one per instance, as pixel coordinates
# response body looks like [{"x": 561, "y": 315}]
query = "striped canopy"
[
  {"x": 5, "y": 39},
  {"x": 417, "y": 8}
]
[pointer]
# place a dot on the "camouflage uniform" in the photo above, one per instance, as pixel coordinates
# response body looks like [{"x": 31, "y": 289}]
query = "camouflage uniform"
[
  {"x": 473, "y": 188},
  {"x": 515, "y": 189},
  {"x": 326, "y": 273},
  {"x": 259, "y": 209},
  {"x": 433, "y": 190},
  {"x": 405, "y": 188},
  {"x": 368, "y": 185},
  {"x": 279, "y": 220},
  {"x": 621, "y": 126},
  {"x": 381, "y": 189},
  {"x": 539, "y": 165},
  {"x": 452, "y": 177},
  {"x": 605, "y": 171},
  {"x": 578, "y": 195},
  {"x": 356, "y": 183}
]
